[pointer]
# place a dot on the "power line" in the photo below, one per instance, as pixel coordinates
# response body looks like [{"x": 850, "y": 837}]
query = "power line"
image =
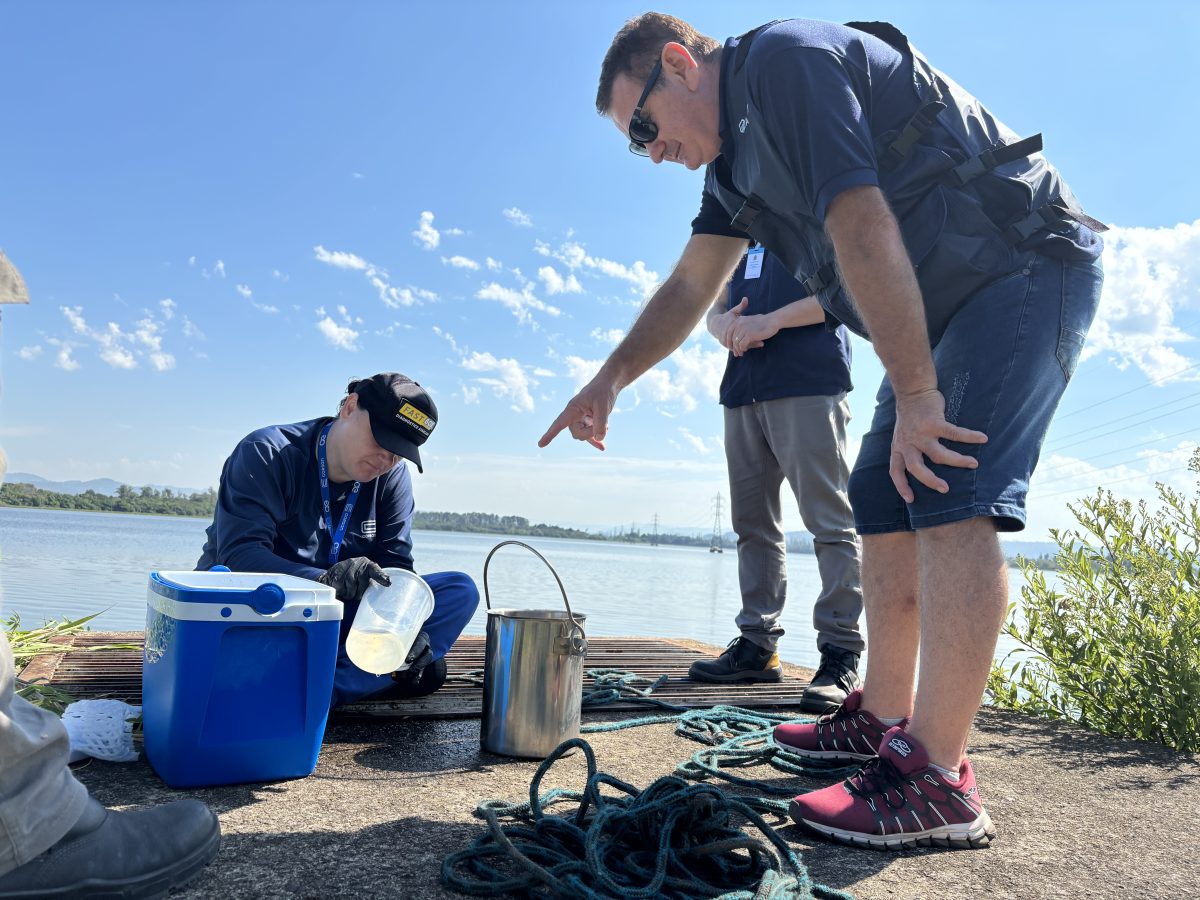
[
  {"x": 1056, "y": 445},
  {"x": 1117, "y": 481},
  {"x": 1063, "y": 467},
  {"x": 1140, "y": 387}
]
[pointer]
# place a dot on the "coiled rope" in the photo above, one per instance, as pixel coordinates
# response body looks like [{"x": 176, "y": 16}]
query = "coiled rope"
[{"x": 675, "y": 839}]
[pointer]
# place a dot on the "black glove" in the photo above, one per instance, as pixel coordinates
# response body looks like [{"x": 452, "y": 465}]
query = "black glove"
[
  {"x": 420, "y": 655},
  {"x": 351, "y": 577}
]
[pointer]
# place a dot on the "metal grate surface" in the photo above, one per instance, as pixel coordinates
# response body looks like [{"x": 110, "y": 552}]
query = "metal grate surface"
[{"x": 117, "y": 673}]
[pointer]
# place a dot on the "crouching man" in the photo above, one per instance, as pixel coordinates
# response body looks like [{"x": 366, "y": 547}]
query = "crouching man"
[{"x": 330, "y": 499}]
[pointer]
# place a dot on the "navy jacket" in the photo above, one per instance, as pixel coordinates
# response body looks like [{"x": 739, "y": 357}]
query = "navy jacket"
[
  {"x": 269, "y": 516},
  {"x": 796, "y": 362}
]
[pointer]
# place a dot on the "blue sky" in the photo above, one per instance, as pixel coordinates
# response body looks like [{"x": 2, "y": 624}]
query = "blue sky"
[{"x": 224, "y": 212}]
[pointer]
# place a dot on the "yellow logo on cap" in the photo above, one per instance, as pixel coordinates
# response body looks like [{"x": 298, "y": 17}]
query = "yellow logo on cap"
[{"x": 417, "y": 417}]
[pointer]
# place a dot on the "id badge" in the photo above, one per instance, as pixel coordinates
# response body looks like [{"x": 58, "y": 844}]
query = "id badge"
[{"x": 754, "y": 261}]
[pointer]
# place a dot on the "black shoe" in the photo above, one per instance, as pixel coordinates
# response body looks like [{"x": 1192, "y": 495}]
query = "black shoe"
[
  {"x": 414, "y": 682},
  {"x": 836, "y": 677},
  {"x": 125, "y": 855},
  {"x": 743, "y": 660}
]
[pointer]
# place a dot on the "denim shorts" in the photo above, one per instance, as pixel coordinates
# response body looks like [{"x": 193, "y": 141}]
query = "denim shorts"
[{"x": 1002, "y": 365}]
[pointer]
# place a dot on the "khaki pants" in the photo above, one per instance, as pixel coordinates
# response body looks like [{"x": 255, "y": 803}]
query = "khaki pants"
[
  {"x": 801, "y": 440},
  {"x": 39, "y": 797}
]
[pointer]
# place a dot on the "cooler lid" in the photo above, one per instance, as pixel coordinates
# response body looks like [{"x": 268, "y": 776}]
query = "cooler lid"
[{"x": 242, "y": 596}]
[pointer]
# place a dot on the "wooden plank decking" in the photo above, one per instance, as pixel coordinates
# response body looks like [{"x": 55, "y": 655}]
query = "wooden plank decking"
[{"x": 117, "y": 673}]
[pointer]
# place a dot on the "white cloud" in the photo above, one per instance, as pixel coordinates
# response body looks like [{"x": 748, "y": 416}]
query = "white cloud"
[
  {"x": 521, "y": 303},
  {"x": 168, "y": 308},
  {"x": 574, "y": 256},
  {"x": 696, "y": 377},
  {"x": 191, "y": 260},
  {"x": 511, "y": 382},
  {"x": 610, "y": 336},
  {"x": 556, "y": 284},
  {"x": 190, "y": 330},
  {"x": 147, "y": 334},
  {"x": 695, "y": 441},
  {"x": 64, "y": 360},
  {"x": 470, "y": 395},
  {"x": 452, "y": 232},
  {"x": 339, "y": 259},
  {"x": 426, "y": 235},
  {"x": 30, "y": 353},
  {"x": 1151, "y": 275},
  {"x": 514, "y": 215},
  {"x": 219, "y": 268},
  {"x": 494, "y": 265},
  {"x": 582, "y": 370},
  {"x": 448, "y": 337},
  {"x": 342, "y": 336},
  {"x": 357, "y": 175},
  {"x": 278, "y": 276},
  {"x": 113, "y": 343},
  {"x": 393, "y": 297},
  {"x": 461, "y": 262},
  {"x": 245, "y": 291}
]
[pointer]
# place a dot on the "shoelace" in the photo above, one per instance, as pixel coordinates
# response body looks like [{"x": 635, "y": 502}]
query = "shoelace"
[
  {"x": 835, "y": 662},
  {"x": 878, "y": 776}
]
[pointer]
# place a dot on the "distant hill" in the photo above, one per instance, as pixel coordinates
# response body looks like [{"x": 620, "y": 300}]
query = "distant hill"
[
  {"x": 1029, "y": 549},
  {"x": 106, "y": 486}
]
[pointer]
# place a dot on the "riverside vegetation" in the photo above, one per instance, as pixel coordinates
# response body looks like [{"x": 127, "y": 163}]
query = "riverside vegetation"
[{"x": 1116, "y": 646}]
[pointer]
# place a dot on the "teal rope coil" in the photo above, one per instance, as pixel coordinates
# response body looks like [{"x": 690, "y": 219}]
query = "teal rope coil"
[
  {"x": 675, "y": 839},
  {"x": 736, "y": 738}
]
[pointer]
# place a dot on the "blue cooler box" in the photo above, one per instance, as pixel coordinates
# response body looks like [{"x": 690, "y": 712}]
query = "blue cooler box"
[{"x": 237, "y": 676}]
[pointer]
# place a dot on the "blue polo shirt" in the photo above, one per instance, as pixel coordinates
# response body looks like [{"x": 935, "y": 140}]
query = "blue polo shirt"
[
  {"x": 797, "y": 362},
  {"x": 830, "y": 94}
]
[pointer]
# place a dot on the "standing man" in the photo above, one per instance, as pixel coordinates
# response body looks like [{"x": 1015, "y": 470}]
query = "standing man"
[
  {"x": 923, "y": 223},
  {"x": 784, "y": 394},
  {"x": 331, "y": 500}
]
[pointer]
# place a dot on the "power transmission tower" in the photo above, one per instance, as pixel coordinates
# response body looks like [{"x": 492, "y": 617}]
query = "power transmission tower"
[
  {"x": 714, "y": 543},
  {"x": 654, "y": 540}
]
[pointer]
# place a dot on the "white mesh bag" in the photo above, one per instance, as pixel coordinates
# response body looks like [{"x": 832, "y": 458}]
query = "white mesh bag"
[{"x": 102, "y": 729}]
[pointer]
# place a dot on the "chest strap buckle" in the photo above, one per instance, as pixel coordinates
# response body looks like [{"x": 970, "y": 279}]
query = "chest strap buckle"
[
  {"x": 966, "y": 172},
  {"x": 748, "y": 213},
  {"x": 921, "y": 121},
  {"x": 1052, "y": 213},
  {"x": 822, "y": 278}
]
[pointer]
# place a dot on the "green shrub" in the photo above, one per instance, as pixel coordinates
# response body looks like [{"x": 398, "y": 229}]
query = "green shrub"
[{"x": 1116, "y": 645}]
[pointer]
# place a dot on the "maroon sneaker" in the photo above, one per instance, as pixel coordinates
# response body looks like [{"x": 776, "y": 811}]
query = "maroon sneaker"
[
  {"x": 848, "y": 734},
  {"x": 898, "y": 801}
]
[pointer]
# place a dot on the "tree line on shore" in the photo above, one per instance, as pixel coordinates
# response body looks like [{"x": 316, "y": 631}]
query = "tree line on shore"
[{"x": 201, "y": 504}]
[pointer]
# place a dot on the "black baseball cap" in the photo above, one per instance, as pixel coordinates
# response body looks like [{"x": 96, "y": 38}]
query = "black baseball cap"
[{"x": 402, "y": 413}]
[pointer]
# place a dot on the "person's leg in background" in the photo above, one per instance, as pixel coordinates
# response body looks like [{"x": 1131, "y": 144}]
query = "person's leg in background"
[
  {"x": 808, "y": 437},
  {"x": 754, "y": 503}
]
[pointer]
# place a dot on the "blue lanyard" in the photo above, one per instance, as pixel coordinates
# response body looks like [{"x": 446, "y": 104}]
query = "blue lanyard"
[{"x": 323, "y": 470}]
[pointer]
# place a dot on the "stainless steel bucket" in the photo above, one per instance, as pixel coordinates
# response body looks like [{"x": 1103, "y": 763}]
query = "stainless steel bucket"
[{"x": 532, "y": 674}]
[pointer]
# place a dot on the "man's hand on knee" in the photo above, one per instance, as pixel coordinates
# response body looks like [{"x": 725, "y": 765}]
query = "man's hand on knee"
[{"x": 921, "y": 427}]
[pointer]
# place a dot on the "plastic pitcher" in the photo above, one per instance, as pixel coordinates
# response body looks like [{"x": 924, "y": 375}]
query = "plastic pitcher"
[
  {"x": 532, "y": 674},
  {"x": 388, "y": 622}
]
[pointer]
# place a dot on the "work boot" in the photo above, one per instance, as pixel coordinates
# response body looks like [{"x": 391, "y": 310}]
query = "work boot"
[
  {"x": 416, "y": 681},
  {"x": 836, "y": 677},
  {"x": 125, "y": 855},
  {"x": 742, "y": 660}
]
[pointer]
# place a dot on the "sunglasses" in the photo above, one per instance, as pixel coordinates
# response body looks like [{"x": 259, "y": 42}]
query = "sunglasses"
[{"x": 643, "y": 131}]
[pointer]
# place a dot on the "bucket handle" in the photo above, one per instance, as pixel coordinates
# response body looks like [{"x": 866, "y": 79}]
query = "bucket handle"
[{"x": 487, "y": 594}]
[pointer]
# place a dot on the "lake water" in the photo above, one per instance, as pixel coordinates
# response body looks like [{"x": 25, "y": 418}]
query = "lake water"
[{"x": 61, "y": 563}]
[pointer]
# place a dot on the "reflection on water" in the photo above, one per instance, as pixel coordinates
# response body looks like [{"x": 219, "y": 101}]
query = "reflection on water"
[{"x": 55, "y": 563}]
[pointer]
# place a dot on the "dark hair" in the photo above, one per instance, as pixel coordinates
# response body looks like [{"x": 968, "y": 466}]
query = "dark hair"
[{"x": 638, "y": 45}]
